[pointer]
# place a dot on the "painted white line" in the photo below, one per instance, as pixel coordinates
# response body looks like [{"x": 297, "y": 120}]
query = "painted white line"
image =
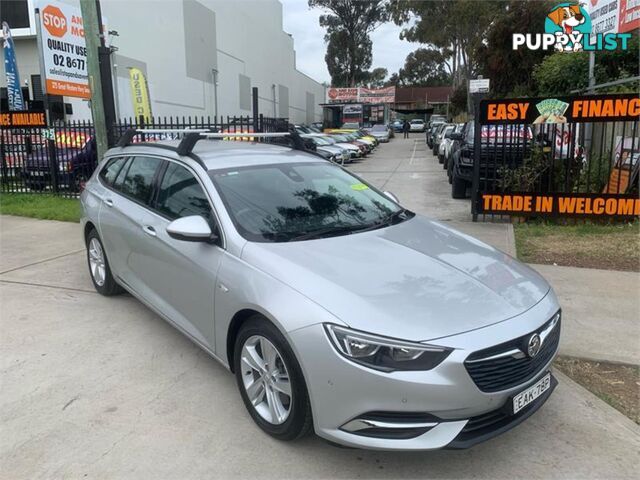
[{"x": 413, "y": 155}]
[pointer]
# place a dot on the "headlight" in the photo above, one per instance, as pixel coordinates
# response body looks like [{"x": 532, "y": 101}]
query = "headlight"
[{"x": 383, "y": 353}]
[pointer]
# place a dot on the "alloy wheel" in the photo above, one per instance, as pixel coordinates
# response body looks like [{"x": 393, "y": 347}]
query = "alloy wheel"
[
  {"x": 96, "y": 262},
  {"x": 266, "y": 380}
]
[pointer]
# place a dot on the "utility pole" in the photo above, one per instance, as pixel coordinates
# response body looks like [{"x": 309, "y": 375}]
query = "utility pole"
[{"x": 92, "y": 29}]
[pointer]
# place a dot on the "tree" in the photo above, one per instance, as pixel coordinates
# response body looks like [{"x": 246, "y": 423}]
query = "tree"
[
  {"x": 348, "y": 24},
  {"x": 455, "y": 27},
  {"x": 376, "y": 77},
  {"x": 424, "y": 68},
  {"x": 510, "y": 70},
  {"x": 560, "y": 73}
]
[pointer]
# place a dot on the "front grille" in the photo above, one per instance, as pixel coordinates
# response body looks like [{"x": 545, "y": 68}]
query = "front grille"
[{"x": 493, "y": 370}]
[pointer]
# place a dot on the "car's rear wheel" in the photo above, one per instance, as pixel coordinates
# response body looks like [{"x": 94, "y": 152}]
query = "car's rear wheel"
[
  {"x": 99, "y": 269},
  {"x": 270, "y": 380}
]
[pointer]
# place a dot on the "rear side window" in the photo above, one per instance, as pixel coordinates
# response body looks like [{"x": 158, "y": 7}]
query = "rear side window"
[
  {"x": 138, "y": 181},
  {"x": 181, "y": 195},
  {"x": 110, "y": 171}
]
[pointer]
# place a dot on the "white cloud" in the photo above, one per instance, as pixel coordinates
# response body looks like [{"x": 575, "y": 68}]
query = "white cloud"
[{"x": 302, "y": 23}]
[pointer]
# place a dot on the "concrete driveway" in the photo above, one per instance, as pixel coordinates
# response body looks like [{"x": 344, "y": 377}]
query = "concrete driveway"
[{"x": 102, "y": 388}]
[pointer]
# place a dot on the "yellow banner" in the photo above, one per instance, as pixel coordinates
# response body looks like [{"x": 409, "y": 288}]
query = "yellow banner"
[{"x": 139, "y": 94}]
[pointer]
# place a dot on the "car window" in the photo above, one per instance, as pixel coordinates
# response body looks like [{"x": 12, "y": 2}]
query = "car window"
[
  {"x": 276, "y": 203},
  {"x": 138, "y": 180},
  {"x": 110, "y": 171},
  {"x": 180, "y": 194}
]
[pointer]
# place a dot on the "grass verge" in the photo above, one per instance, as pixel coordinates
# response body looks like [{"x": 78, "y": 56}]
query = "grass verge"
[
  {"x": 42, "y": 206},
  {"x": 610, "y": 247},
  {"x": 616, "y": 384}
]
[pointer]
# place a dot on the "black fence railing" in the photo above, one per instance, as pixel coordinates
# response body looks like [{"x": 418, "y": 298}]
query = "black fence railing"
[{"x": 61, "y": 158}]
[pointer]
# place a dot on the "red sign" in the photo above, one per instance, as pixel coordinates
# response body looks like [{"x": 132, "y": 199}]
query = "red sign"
[
  {"x": 342, "y": 94},
  {"x": 378, "y": 95},
  {"x": 54, "y": 21},
  {"x": 629, "y": 16}
]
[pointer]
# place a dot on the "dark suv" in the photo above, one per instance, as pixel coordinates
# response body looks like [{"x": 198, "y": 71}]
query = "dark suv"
[
  {"x": 76, "y": 158},
  {"x": 499, "y": 146}
]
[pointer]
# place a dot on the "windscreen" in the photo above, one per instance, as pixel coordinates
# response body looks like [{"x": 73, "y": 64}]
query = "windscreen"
[{"x": 281, "y": 202}]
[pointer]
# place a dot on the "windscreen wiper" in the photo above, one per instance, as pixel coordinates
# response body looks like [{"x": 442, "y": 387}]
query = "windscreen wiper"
[{"x": 321, "y": 232}]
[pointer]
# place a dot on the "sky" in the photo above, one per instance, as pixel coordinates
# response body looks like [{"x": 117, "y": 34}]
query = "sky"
[{"x": 302, "y": 23}]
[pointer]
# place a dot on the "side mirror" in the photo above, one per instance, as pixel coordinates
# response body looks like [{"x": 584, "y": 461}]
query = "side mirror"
[
  {"x": 455, "y": 136},
  {"x": 392, "y": 197},
  {"x": 193, "y": 228}
]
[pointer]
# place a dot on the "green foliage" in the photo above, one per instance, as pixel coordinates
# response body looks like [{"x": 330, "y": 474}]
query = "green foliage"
[
  {"x": 376, "y": 77},
  {"x": 526, "y": 177},
  {"x": 424, "y": 68},
  {"x": 457, "y": 28},
  {"x": 510, "y": 70},
  {"x": 595, "y": 176},
  {"x": 348, "y": 24},
  {"x": 458, "y": 100},
  {"x": 560, "y": 73},
  {"x": 47, "y": 207}
]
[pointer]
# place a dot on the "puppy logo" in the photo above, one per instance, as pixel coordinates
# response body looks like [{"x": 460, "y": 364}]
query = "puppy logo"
[{"x": 568, "y": 22}]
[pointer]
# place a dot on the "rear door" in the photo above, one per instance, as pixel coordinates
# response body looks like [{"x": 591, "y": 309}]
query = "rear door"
[
  {"x": 180, "y": 276},
  {"x": 125, "y": 203}
]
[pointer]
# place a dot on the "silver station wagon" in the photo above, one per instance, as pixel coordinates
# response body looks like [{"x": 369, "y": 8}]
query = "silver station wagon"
[{"x": 337, "y": 309}]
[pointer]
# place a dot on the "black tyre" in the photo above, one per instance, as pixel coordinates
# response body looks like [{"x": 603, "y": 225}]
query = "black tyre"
[
  {"x": 270, "y": 380},
  {"x": 99, "y": 270},
  {"x": 458, "y": 188}
]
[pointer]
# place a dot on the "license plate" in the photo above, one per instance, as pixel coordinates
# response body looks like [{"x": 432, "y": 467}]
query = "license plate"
[{"x": 530, "y": 394}]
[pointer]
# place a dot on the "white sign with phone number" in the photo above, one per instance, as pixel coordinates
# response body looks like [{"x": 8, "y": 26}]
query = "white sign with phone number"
[{"x": 64, "y": 50}]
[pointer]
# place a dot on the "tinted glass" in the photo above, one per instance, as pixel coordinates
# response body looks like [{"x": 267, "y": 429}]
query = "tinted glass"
[
  {"x": 110, "y": 171},
  {"x": 273, "y": 203},
  {"x": 138, "y": 180},
  {"x": 181, "y": 195}
]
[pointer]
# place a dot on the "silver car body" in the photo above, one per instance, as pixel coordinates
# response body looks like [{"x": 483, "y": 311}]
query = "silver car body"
[{"x": 418, "y": 280}]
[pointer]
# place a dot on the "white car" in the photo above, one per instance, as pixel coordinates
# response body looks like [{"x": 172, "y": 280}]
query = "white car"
[{"x": 417, "y": 125}]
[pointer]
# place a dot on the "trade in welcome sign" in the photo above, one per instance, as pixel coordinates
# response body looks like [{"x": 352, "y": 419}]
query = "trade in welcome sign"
[{"x": 64, "y": 50}]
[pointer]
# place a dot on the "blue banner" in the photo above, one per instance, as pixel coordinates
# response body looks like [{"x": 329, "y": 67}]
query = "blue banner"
[{"x": 16, "y": 102}]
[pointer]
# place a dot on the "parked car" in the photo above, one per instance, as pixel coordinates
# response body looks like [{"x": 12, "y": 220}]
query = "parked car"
[
  {"x": 444, "y": 140},
  {"x": 380, "y": 132},
  {"x": 323, "y": 144},
  {"x": 355, "y": 151},
  {"x": 337, "y": 309},
  {"x": 431, "y": 132},
  {"x": 504, "y": 146},
  {"x": 417, "y": 125},
  {"x": 437, "y": 137},
  {"x": 350, "y": 126},
  {"x": 76, "y": 158},
  {"x": 450, "y": 144},
  {"x": 397, "y": 125}
]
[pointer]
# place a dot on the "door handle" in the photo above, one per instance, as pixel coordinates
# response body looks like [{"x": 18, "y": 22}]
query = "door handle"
[
  {"x": 108, "y": 202},
  {"x": 149, "y": 230}
]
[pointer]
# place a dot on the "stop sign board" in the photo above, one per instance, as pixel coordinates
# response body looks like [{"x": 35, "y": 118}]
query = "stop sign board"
[
  {"x": 54, "y": 21},
  {"x": 64, "y": 50}
]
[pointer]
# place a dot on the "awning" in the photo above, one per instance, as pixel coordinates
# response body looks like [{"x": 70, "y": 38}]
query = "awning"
[{"x": 413, "y": 110}]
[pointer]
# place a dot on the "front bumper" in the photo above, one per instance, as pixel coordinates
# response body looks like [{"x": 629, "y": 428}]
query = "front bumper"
[{"x": 445, "y": 399}]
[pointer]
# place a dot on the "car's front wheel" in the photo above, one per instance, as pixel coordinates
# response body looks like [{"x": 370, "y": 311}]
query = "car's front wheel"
[{"x": 270, "y": 380}]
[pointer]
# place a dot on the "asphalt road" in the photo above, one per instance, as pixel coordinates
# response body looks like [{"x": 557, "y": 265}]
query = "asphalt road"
[{"x": 94, "y": 387}]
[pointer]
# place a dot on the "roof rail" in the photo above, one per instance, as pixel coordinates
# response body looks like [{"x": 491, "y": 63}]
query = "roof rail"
[
  {"x": 129, "y": 134},
  {"x": 189, "y": 141},
  {"x": 194, "y": 135}
]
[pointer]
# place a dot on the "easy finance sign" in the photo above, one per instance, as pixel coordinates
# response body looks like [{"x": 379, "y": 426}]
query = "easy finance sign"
[{"x": 64, "y": 50}]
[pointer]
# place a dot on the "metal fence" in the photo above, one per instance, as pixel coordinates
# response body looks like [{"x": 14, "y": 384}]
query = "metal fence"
[
  {"x": 572, "y": 159},
  {"x": 60, "y": 159}
]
